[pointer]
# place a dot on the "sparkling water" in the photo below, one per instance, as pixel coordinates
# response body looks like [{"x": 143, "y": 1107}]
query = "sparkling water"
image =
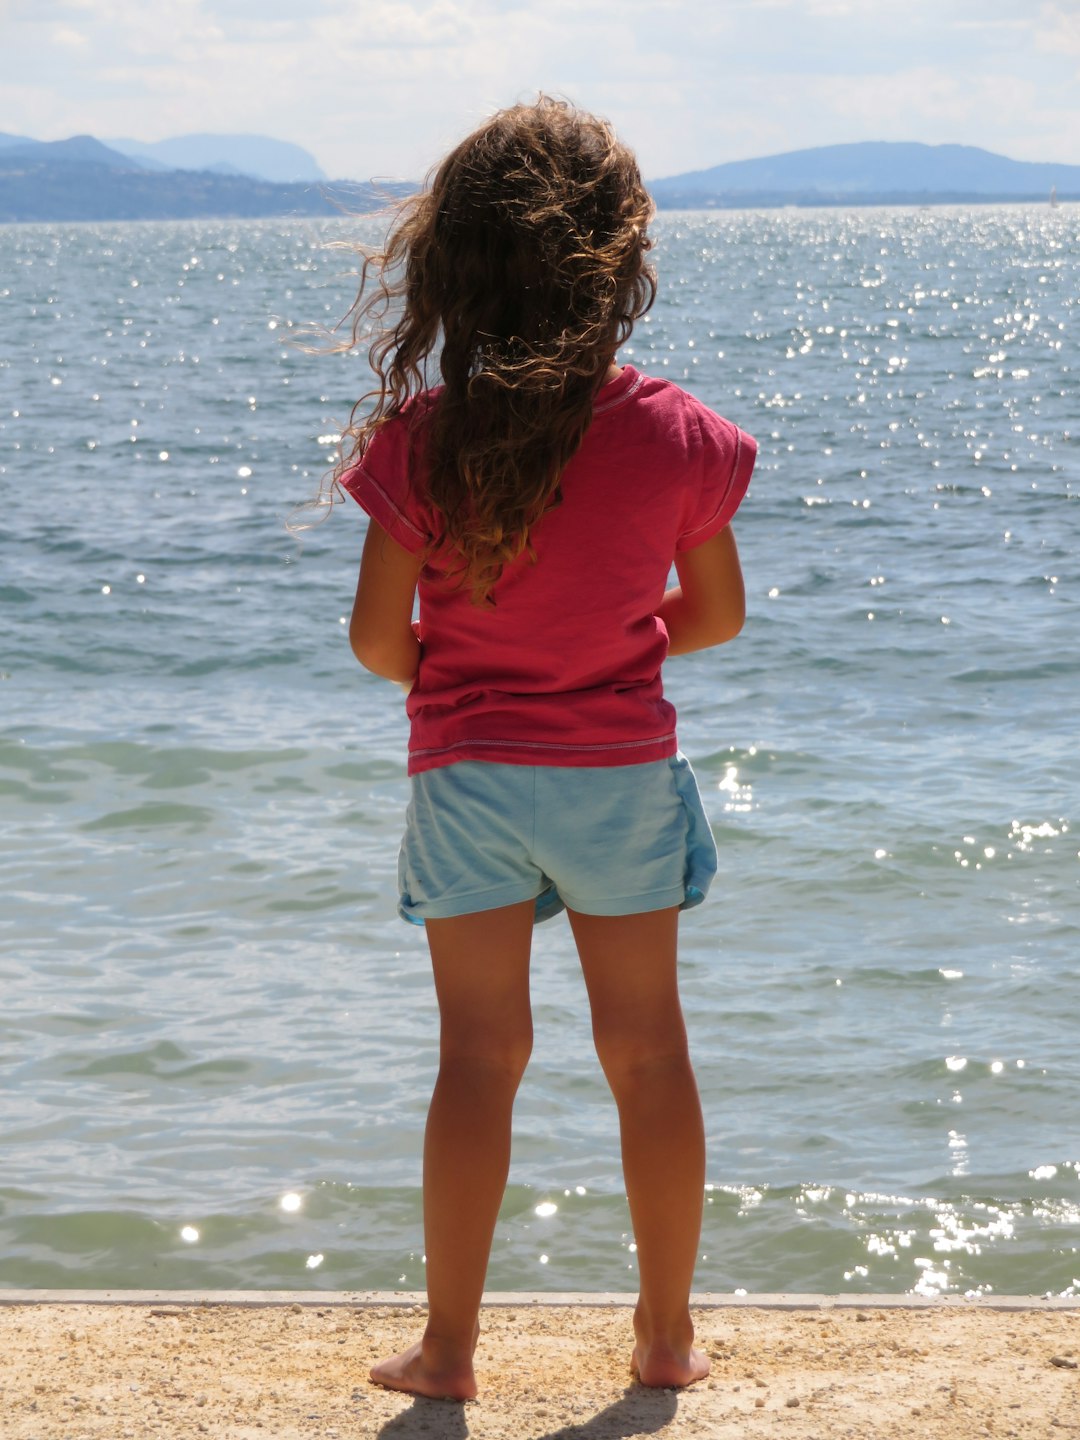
[{"x": 218, "y": 1041}]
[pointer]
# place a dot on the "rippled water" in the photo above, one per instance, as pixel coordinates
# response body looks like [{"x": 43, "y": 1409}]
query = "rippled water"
[{"x": 217, "y": 1041}]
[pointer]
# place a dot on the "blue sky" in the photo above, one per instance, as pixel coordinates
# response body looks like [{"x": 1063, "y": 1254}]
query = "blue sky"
[{"x": 383, "y": 87}]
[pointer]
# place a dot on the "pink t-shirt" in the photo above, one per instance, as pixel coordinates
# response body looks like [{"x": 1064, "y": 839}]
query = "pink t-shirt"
[{"x": 565, "y": 669}]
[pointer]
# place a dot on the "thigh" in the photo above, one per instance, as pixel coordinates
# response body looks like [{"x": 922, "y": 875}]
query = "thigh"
[
  {"x": 481, "y": 968},
  {"x": 630, "y": 965}
]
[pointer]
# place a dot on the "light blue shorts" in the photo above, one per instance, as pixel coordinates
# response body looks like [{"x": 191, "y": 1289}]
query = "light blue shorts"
[{"x": 603, "y": 840}]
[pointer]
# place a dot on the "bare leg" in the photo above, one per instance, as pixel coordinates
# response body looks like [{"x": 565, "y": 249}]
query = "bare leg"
[
  {"x": 629, "y": 963},
  {"x": 481, "y": 966}
]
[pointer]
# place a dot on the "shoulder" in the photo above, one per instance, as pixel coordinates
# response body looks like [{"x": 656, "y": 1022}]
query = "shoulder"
[
  {"x": 678, "y": 418},
  {"x": 405, "y": 424},
  {"x": 705, "y": 458},
  {"x": 396, "y": 441}
]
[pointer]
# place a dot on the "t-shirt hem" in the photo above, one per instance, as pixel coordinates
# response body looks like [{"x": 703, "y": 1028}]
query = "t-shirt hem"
[{"x": 533, "y": 752}]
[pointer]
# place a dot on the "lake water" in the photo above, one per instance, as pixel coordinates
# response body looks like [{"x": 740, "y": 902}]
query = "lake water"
[{"x": 217, "y": 1040}]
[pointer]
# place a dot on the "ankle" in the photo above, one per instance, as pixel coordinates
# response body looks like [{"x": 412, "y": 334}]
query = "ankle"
[
  {"x": 447, "y": 1346},
  {"x": 674, "y": 1329}
]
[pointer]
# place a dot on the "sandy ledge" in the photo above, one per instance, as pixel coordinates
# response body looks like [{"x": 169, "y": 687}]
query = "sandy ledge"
[{"x": 801, "y": 1368}]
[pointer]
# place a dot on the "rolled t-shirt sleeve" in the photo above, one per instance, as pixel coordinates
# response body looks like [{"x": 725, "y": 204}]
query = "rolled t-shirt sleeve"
[
  {"x": 382, "y": 485},
  {"x": 726, "y": 463}
]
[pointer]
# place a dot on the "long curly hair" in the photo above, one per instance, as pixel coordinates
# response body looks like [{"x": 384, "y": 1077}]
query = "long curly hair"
[{"x": 522, "y": 264}]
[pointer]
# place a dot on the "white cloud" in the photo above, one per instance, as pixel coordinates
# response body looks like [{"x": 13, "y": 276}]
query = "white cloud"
[
  {"x": 927, "y": 96},
  {"x": 385, "y": 86},
  {"x": 395, "y": 26},
  {"x": 1058, "y": 30},
  {"x": 817, "y": 9}
]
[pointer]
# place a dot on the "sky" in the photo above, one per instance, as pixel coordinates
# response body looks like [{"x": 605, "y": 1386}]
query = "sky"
[{"x": 382, "y": 88}]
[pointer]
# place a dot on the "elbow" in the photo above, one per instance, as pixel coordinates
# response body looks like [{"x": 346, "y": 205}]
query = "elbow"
[
  {"x": 373, "y": 656},
  {"x": 726, "y": 624},
  {"x": 735, "y": 610},
  {"x": 732, "y": 625},
  {"x": 364, "y": 653},
  {"x": 384, "y": 659},
  {"x": 707, "y": 633}
]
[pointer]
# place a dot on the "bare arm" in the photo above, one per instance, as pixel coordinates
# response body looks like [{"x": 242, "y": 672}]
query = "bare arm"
[
  {"x": 380, "y": 631},
  {"x": 708, "y": 606}
]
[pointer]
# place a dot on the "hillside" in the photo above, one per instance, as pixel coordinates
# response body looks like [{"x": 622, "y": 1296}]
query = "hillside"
[
  {"x": 866, "y": 173},
  {"x": 82, "y": 179},
  {"x": 257, "y": 156}
]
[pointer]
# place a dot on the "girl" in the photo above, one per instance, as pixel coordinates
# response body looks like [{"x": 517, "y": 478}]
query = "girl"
[{"x": 538, "y": 499}]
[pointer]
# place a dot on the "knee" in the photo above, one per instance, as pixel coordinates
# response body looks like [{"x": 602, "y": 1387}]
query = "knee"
[
  {"x": 488, "y": 1057},
  {"x": 637, "y": 1061}
]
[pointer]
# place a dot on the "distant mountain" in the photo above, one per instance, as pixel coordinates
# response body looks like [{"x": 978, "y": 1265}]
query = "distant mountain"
[
  {"x": 79, "y": 150},
  {"x": 869, "y": 172},
  {"x": 254, "y": 155},
  {"x": 81, "y": 179}
]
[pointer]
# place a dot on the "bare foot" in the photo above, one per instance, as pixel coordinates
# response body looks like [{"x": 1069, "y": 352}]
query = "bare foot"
[
  {"x": 418, "y": 1375},
  {"x": 661, "y": 1366},
  {"x": 666, "y": 1362}
]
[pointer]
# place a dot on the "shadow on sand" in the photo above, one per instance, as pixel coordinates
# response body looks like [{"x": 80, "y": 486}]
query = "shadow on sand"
[{"x": 640, "y": 1411}]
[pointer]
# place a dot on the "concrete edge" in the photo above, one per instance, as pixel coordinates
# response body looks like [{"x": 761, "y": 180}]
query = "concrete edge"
[{"x": 374, "y": 1299}]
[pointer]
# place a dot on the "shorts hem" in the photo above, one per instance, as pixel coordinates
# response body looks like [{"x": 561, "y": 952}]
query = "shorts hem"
[
  {"x": 453, "y": 906},
  {"x": 669, "y": 899}
]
